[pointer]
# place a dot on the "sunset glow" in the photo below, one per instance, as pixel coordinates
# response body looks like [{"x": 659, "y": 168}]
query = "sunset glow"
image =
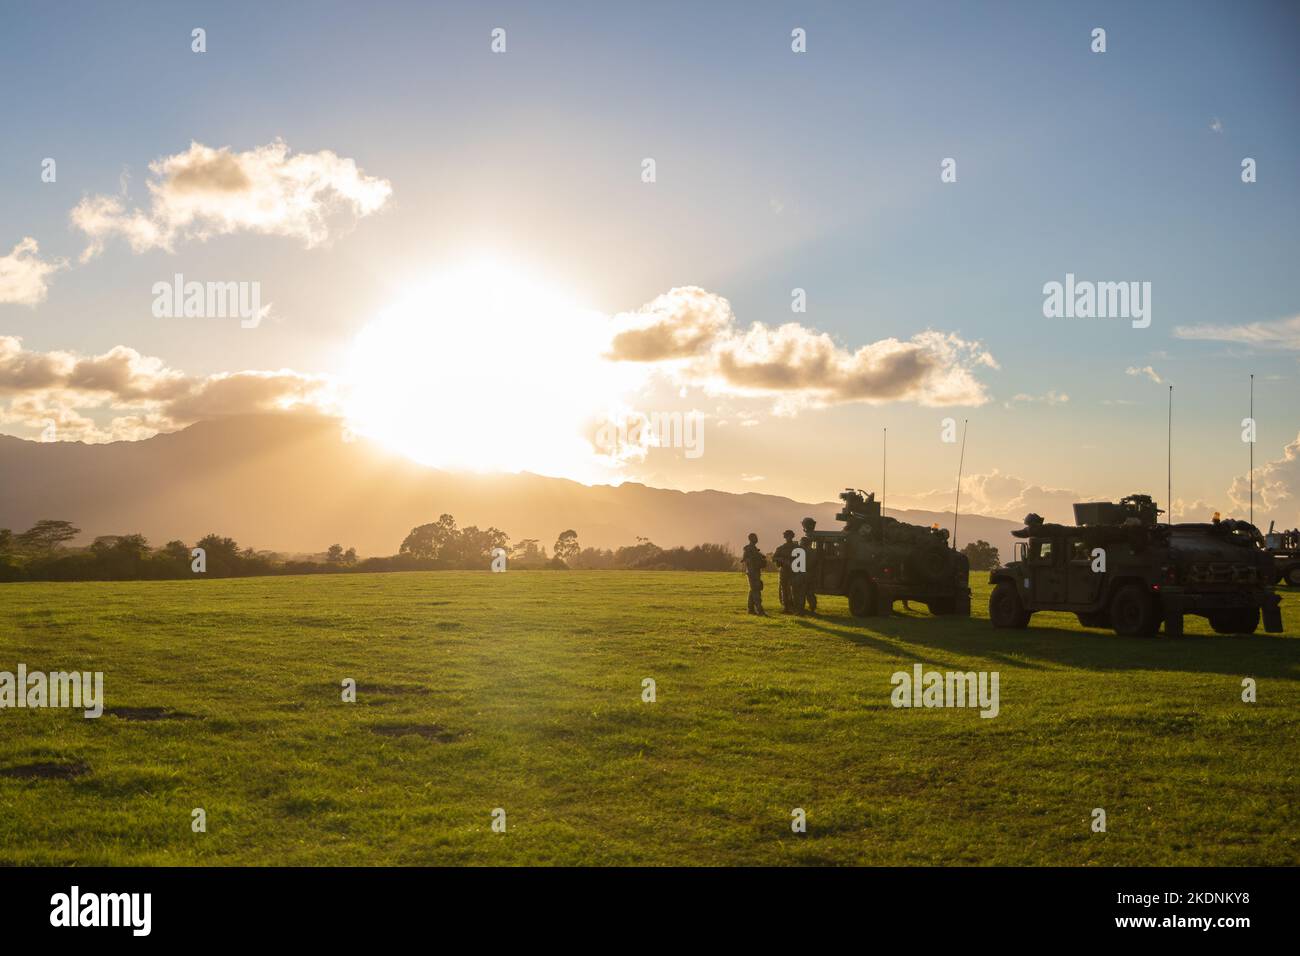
[{"x": 486, "y": 368}]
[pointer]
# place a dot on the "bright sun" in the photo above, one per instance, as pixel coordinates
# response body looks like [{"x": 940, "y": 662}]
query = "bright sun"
[{"x": 486, "y": 369}]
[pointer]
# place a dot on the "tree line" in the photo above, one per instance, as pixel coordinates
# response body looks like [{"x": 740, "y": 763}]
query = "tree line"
[{"x": 43, "y": 553}]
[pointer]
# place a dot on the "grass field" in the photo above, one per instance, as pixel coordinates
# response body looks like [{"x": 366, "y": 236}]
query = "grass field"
[{"x": 523, "y": 691}]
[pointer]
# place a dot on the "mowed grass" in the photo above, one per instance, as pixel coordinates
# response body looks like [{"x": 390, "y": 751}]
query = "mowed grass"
[{"x": 523, "y": 691}]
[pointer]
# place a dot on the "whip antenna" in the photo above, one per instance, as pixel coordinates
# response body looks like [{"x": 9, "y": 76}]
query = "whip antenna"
[
  {"x": 960, "y": 462},
  {"x": 1169, "y": 462}
]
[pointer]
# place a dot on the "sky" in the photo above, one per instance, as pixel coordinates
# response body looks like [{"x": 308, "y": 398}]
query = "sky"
[{"x": 462, "y": 252}]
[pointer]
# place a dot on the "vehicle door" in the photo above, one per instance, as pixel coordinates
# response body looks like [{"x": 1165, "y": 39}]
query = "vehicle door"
[
  {"x": 1049, "y": 570},
  {"x": 827, "y": 565},
  {"x": 1083, "y": 584}
]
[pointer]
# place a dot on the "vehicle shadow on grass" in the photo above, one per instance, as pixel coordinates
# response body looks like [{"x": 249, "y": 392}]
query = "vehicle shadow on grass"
[{"x": 1260, "y": 655}]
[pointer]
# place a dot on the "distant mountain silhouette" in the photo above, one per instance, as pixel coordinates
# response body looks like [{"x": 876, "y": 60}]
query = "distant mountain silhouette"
[{"x": 290, "y": 483}]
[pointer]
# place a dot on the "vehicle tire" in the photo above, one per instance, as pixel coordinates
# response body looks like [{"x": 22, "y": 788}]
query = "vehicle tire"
[
  {"x": 942, "y": 606},
  {"x": 1242, "y": 620},
  {"x": 1005, "y": 608},
  {"x": 1133, "y": 612},
  {"x": 1293, "y": 575},
  {"x": 862, "y": 597}
]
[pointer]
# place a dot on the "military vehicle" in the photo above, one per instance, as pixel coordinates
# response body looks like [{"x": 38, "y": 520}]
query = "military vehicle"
[
  {"x": 1284, "y": 546},
  {"x": 1118, "y": 567},
  {"x": 875, "y": 561}
]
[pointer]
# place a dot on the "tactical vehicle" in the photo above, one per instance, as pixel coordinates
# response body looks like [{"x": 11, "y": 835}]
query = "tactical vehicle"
[
  {"x": 1118, "y": 567},
  {"x": 875, "y": 561},
  {"x": 1284, "y": 546}
]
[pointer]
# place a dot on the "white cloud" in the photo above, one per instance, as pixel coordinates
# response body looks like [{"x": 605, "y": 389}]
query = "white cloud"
[
  {"x": 998, "y": 495},
  {"x": 694, "y": 334},
  {"x": 1277, "y": 489},
  {"x": 1145, "y": 370},
  {"x": 1278, "y": 334},
  {"x": 205, "y": 192},
  {"x": 137, "y": 396},
  {"x": 1050, "y": 397},
  {"x": 24, "y": 276}
]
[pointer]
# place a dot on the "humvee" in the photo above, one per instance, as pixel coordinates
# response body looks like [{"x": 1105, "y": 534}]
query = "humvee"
[
  {"x": 875, "y": 561},
  {"x": 1284, "y": 546},
  {"x": 1117, "y": 567}
]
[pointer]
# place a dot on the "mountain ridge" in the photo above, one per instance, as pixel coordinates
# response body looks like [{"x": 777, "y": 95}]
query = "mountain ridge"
[{"x": 296, "y": 483}]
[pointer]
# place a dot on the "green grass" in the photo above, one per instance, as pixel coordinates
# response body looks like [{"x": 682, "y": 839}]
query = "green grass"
[{"x": 530, "y": 687}]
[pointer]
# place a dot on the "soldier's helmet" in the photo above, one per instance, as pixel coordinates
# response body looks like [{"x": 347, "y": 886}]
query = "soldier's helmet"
[
  {"x": 1033, "y": 519},
  {"x": 753, "y": 538},
  {"x": 809, "y": 524},
  {"x": 788, "y": 535}
]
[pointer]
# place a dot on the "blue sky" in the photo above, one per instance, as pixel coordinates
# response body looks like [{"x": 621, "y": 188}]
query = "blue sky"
[{"x": 775, "y": 170}]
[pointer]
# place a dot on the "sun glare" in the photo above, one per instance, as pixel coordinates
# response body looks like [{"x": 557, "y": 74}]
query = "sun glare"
[{"x": 487, "y": 369}]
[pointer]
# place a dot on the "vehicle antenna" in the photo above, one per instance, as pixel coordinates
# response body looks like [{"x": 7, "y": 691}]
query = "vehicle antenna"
[
  {"x": 1169, "y": 462},
  {"x": 1252, "y": 449},
  {"x": 960, "y": 462}
]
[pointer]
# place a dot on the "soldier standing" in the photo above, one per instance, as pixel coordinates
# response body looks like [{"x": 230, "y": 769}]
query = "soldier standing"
[
  {"x": 804, "y": 592},
  {"x": 754, "y": 562},
  {"x": 783, "y": 556}
]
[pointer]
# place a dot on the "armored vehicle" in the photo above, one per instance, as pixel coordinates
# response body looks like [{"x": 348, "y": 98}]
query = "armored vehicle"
[
  {"x": 875, "y": 561},
  {"x": 1284, "y": 546},
  {"x": 1118, "y": 567}
]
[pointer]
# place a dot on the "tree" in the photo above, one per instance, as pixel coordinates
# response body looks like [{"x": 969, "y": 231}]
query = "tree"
[
  {"x": 982, "y": 556},
  {"x": 334, "y": 555},
  {"x": 222, "y": 554},
  {"x": 177, "y": 551},
  {"x": 350, "y": 556},
  {"x": 46, "y": 535},
  {"x": 132, "y": 547},
  {"x": 474, "y": 548},
  {"x": 427, "y": 542},
  {"x": 566, "y": 546},
  {"x": 526, "y": 553}
]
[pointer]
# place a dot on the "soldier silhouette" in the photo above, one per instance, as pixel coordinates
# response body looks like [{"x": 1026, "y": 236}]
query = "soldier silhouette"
[
  {"x": 804, "y": 594},
  {"x": 783, "y": 556},
  {"x": 754, "y": 562}
]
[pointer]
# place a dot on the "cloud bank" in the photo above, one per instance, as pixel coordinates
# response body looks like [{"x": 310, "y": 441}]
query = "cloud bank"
[
  {"x": 1277, "y": 489},
  {"x": 696, "y": 334},
  {"x": 205, "y": 192},
  {"x": 1278, "y": 334},
  {"x": 137, "y": 396}
]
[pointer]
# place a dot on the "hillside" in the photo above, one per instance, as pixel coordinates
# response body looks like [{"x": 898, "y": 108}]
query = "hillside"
[{"x": 291, "y": 483}]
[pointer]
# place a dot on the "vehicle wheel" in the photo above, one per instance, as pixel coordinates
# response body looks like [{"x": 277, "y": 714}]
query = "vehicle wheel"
[
  {"x": 862, "y": 598},
  {"x": 940, "y": 606},
  {"x": 1133, "y": 613},
  {"x": 1242, "y": 620},
  {"x": 1005, "y": 609},
  {"x": 1293, "y": 575}
]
